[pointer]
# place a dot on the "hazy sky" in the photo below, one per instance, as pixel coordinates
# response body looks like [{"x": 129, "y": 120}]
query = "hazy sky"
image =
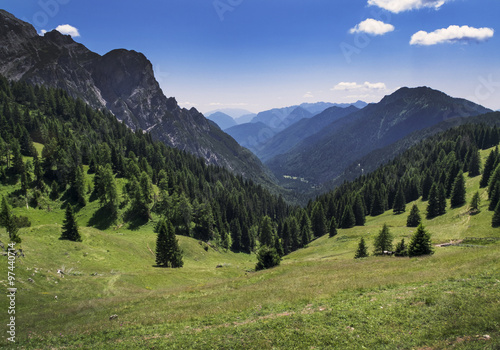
[{"x": 260, "y": 54}]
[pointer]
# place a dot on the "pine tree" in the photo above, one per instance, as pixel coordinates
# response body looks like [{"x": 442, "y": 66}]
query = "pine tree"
[
  {"x": 401, "y": 249},
  {"x": 458, "y": 191},
  {"x": 333, "y": 227},
  {"x": 495, "y": 222},
  {"x": 348, "y": 218},
  {"x": 318, "y": 220},
  {"x": 383, "y": 241},
  {"x": 362, "y": 251},
  {"x": 78, "y": 185},
  {"x": 70, "y": 228},
  {"x": 414, "y": 218},
  {"x": 399, "y": 201},
  {"x": 420, "y": 243},
  {"x": 474, "y": 203}
]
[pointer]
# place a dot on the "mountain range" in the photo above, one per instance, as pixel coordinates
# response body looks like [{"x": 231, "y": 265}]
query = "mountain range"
[
  {"x": 325, "y": 155},
  {"x": 123, "y": 82}
]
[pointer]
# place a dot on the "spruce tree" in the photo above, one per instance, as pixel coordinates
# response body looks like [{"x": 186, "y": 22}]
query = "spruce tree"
[
  {"x": 474, "y": 203},
  {"x": 362, "y": 251},
  {"x": 441, "y": 196},
  {"x": 383, "y": 241},
  {"x": 8, "y": 221},
  {"x": 377, "y": 204},
  {"x": 495, "y": 222},
  {"x": 70, "y": 228},
  {"x": 494, "y": 197},
  {"x": 359, "y": 211},
  {"x": 333, "y": 227},
  {"x": 168, "y": 252},
  {"x": 420, "y": 243},
  {"x": 474, "y": 167},
  {"x": 414, "y": 218},
  {"x": 489, "y": 167},
  {"x": 426, "y": 186},
  {"x": 399, "y": 201},
  {"x": 348, "y": 218},
  {"x": 401, "y": 249},
  {"x": 318, "y": 220},
  {"x": 266, "y": 234},
  {"x": 161, "y": 245},
  {"x": 433, "y": 204},
  {"x": 458, "y": 191},
  {"x": 305, "y": 229}
]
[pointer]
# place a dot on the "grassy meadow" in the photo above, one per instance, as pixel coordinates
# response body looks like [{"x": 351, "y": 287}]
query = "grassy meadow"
[{"x": 318, "y": 298}]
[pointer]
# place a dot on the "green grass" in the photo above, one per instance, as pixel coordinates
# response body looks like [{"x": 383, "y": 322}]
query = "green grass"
[{"x": 319, "y": 297}]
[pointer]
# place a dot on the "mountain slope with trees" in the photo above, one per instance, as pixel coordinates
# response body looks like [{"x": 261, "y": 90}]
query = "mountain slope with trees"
[{"x": 122, "y": 82}]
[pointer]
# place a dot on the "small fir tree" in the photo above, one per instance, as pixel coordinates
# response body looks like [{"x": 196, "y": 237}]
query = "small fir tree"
[
  {"x": 168, "y": 252},
  {"x": 70, "y": 228},
  {"x": 8, "y": 221},
  {"x": 383, "y": 241},
  {"x": 420, "y": 243},
  {"x": 474, "y": 203},
  {"x": 362, "y": 251},
  {"x": 414, "y": 218},
  {"x": 489, "y": 167},
  {"x": 474, "y": 167},
  {"x": 458, "y": 191},
  {"x": 318, "y": 220},
  {"x": 333, "y": 227},
  {"x": 348, "y": 218},
  {"x": 267, "y": 257},
  {"x": 401, "y": 249},
  {"x": 432, "y": 204},
  {"x": 399, "y": 201},
  {"x": 495, "y": 222}
]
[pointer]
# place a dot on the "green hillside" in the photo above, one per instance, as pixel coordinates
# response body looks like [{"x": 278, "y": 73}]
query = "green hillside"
[{"x": 320, "y": 297}]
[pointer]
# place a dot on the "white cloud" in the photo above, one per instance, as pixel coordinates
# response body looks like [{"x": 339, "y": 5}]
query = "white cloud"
[
  {"x": 373, "y": 27},
  {"x": 452, "y": 34},
  {"x": 308, "y": 95},
  {"x": 42, "y": 32},
  {"x": 366, "y": 86},
  {"x": 397, "y": 6},
  {"x": 66, "y": 29}
]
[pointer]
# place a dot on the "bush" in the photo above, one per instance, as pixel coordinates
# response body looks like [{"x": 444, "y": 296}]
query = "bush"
[{"x": 267, "y": 258}]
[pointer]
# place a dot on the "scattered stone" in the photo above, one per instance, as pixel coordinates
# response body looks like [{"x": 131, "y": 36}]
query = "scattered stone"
[
  {"x": 31, "y": 280},
  {"x": 113, "y": 317}
]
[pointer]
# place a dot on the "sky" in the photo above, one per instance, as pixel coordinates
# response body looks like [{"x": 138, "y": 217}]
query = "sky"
[{"x": 263, "y": 54}]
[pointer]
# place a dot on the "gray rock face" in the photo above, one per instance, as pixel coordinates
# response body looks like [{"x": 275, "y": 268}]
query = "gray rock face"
[{"x": 123, "y": 82}]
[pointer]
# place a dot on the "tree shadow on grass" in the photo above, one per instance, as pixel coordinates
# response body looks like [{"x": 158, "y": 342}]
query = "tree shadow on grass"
[{"x": 102, "y": 219}]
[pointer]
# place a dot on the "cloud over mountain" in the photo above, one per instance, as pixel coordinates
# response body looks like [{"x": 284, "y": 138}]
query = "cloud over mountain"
[
  {"x": 373, "y": 27},
  {"x": 366, "y": 86},
  {"x": 452, "y": 34},
  {"x": 397, "y": 6}
]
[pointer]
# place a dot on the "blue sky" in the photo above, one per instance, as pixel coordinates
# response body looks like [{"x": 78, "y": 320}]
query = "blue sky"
[{"x": 260, "y": 54}]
